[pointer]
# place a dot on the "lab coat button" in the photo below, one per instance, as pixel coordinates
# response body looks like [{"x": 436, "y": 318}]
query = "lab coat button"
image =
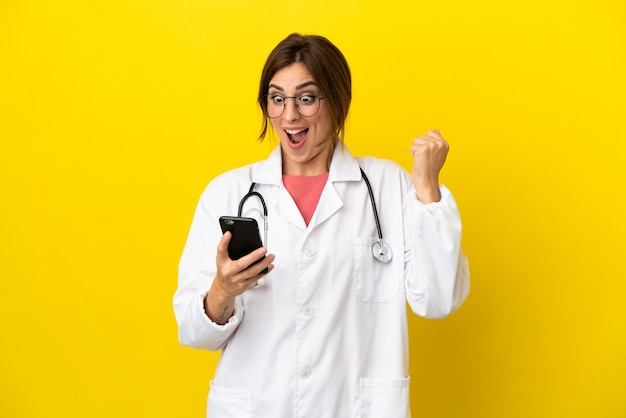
[
  {"x": 305, "y": 373},
  {"x": 310, "y": 252},
  {"x": 308, "y": 310}
]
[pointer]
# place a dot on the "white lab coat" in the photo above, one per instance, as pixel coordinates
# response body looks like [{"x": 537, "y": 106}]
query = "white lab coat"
[{"x": 326, "y": 336}]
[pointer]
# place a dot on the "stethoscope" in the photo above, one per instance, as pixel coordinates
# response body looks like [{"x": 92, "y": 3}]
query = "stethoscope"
[{"x": 380, "y": 250}]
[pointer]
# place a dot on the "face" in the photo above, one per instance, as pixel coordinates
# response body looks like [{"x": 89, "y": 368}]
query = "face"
[{"x": 303, "y": 139}]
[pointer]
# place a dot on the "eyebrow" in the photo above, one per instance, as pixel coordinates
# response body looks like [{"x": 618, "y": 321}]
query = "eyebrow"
[{"x": 298, "y": 87}]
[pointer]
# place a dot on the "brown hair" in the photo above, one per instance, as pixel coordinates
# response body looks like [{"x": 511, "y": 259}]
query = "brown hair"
[{"x": 329, "y": 69}]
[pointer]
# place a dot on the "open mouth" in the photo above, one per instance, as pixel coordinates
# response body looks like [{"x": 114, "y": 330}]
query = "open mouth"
[{"x": 296, "y": 135}]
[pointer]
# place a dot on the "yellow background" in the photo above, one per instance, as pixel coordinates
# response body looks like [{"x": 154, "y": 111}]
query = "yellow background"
[{"x": 115, "y": 114}]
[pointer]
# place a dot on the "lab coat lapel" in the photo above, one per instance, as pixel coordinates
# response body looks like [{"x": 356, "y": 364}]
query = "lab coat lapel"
[
  {"x": 343, "y": 167},
  {"x": 287, "y": 209},
  {"x": 329, "y": 203},
  {"x": 270, "y": 172}
]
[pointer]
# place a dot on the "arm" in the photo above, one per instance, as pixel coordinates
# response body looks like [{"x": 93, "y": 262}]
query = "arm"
[
  {"x": 207, "y": 305},
  {"x": 437, "y": 271},
  {"x": 196, "y": 271},
  {"x": 233, "y": 277}
]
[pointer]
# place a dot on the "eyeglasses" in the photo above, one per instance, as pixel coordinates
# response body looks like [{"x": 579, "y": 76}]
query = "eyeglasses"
[{"x": 274, "y": 105}]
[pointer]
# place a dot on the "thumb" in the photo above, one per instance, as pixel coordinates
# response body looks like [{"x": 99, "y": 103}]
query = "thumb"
[{"x": 222, "y": 246}]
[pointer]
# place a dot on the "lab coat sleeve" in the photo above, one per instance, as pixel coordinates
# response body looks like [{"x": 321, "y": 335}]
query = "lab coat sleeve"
[
  {"x": 436, "y": 271},
  {"x": 195, "y": 275}
]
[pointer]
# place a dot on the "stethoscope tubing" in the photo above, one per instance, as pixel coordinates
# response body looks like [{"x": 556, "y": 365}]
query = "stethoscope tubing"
[
  {"x": 380, "y": 250},
  {"x": 374, "y": 208}
]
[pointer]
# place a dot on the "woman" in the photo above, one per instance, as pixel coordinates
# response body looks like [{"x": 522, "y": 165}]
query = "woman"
[{"x": 326, "y": 333}]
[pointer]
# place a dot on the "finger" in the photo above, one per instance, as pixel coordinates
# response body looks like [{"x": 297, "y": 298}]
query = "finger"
[
  {"x": 254, "y": 255},
  {"x": 430, "y": 141},
  {"x": 421, "y": 141},
  {"x": 435, "y": 134},
  {"x": 265, "y": 266},
  {"x": 222, "y": 246},
  {"x": 425, "y": 144},
  {"x": 259, "y": 280},
  {"x": 247, "y": 260},
  {"x": 429, "y": 137},
  {"x": 257, "y": 271}
]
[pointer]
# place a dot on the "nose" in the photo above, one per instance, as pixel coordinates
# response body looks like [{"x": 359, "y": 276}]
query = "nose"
[{"x": 291, "y": 110}]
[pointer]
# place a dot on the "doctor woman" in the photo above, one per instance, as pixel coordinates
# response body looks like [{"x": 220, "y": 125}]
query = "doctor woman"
[{"x": 324, "y": 333}]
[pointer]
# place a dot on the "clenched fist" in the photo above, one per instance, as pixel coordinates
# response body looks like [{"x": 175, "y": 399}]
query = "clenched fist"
[{"x": 429, "y": 154}]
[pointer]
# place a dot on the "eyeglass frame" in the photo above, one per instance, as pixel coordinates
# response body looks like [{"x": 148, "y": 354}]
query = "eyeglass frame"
[{"x": 266, "y": 113}]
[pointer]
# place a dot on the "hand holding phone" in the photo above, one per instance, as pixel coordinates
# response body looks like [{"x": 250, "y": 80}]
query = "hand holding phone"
[{"x": 245, "y": 236}]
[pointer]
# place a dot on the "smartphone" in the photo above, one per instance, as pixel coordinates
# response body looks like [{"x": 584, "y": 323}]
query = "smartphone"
[{"x": 245, "y": 236}]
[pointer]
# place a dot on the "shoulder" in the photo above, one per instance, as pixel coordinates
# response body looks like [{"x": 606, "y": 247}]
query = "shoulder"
[
  {"x": 233, "y": 176},
  {"x": 379, "y": 166},
  {"x": 233, "y": 182},
  {"x": 387, "y": 176},
  {"x": 224, "y": 192}
]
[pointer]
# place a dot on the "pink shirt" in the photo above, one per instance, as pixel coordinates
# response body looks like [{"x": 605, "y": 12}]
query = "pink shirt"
[{"x": 306, "y": 192}]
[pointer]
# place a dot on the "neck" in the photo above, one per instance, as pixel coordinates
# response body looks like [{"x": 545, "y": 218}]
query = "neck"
[{"x": 316, "y": 166}]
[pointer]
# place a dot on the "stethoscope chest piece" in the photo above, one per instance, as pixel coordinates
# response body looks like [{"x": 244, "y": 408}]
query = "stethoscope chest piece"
[{"x": 381, "y": 251}]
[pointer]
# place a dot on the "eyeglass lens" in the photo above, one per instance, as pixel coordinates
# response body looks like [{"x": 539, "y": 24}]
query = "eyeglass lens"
[{"x": 306, "y": 105}]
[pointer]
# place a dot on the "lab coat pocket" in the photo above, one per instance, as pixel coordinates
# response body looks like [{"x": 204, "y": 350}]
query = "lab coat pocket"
[
  {"x": 376, "y": 281},
  {"x": 227, "y": 402},
  {"x": 385, "y": 398}
]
